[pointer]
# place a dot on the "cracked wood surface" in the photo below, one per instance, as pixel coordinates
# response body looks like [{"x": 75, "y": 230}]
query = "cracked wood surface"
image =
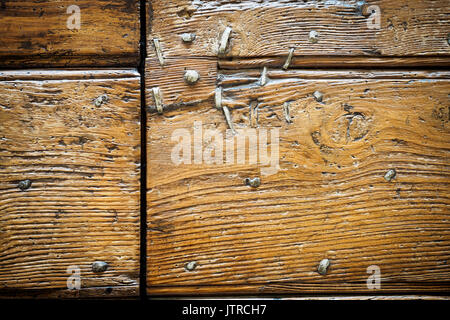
[
  {"x": 329, "y": 198},
  {"x": 82, "y": 159}
]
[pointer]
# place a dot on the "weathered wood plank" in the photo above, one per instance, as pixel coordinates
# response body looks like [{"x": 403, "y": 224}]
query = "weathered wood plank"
[
  {"x": 291, "y": 289},
  {"x": 81, "y": 156},
  {"x": 176, "y": 93},
  {"x": 334, "y": 62},
  {"x": 329, "y": 198},
  {"x": 36, "y": 33},
  {"x": 271, "y": 28},
  {"x": 169, "y": 79}
]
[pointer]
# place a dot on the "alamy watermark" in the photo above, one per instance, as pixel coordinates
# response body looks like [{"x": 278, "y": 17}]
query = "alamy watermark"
[
  {"x": 211, "y": 146},
  {"x": 74, "y": 20},
  {"x": 374, "y": 19},
  {"x": 374, "y": 280},
  {"x": 74, "y": 280}
]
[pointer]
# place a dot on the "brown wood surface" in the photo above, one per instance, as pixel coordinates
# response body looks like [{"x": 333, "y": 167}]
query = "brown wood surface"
[
  {"x": 385, "y": 106},
  {"x": 344, "y": 62},
  {"x": 35, "y": 33},
  {"x": 412, "y": 34},
  {"x": 83, "y": 161},
  {"x": 270, "y": 28},
  {"x": 328, "y": 200},
  {"x": 169, "y": 78}
]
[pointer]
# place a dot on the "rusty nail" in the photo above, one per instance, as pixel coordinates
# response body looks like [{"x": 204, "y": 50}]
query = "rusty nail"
[
  {"x": 191, "y": 76},
  {"x": 318, "y": 96},
  {"x": 158, "y": 51},
  {"x": 226, "y": 111},
  {"x": 254, "y": 183},
  {"x": 263, "y": 79},
  {"x": 157, "y": 97},
  {"x": 390, "y": 175},
  {"x": 24, "y": 184},
  {"x": 313, "y": 36},
  {"x": 253, "y": 114},
  {"x": 188, "y": 37},
  {"x": 100, "y": 100},
  {"x": 190, "y": 266},
  {"x": 287, "y": 114},
  {"x": 227, "y": 114},
  {"x": 323, "y": 266},
  {"x": 289, "y": 58},
  {"x": 224, "y": 40},
  {"x": 218, "y": 97},
  {"x": 99, "y": 266}
]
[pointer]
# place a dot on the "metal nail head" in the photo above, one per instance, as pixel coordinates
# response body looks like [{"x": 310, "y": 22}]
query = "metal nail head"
[
  {"x": 323, "y": 267},
  {"x": 313, "y": 36},
  {"x": 188, "y": 37},
  {"x": 254, "y": 183},
  {"x": 100, "y": 100},
  {"x": 390, "y": 175},
  {"x": 99, "y": 266},
  {"x": 191, "y": 76},
  {"x": 318, "y": 96},
  {"x": 190, "y": 266},
  {"x": 24, "y": 184}
]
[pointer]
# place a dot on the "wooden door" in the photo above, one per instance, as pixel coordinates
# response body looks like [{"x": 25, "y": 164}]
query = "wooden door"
[
  {"x": 69, "y": 149},
  {"x": 357, "y": 116},
  {"x": 187, "y": 148}
]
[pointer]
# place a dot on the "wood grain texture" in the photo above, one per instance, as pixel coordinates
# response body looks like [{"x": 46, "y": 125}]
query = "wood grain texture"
[
  {"x": 329, "y": 199},
  {"x": 412, "y": 34},
  {"x": 334, "y": 62},
  {"x": 35, "y": 33},
  {"x": 175, "y": 92},
  {"x": 83, "y": 161},
  {"x": 269, "y": 28}
]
